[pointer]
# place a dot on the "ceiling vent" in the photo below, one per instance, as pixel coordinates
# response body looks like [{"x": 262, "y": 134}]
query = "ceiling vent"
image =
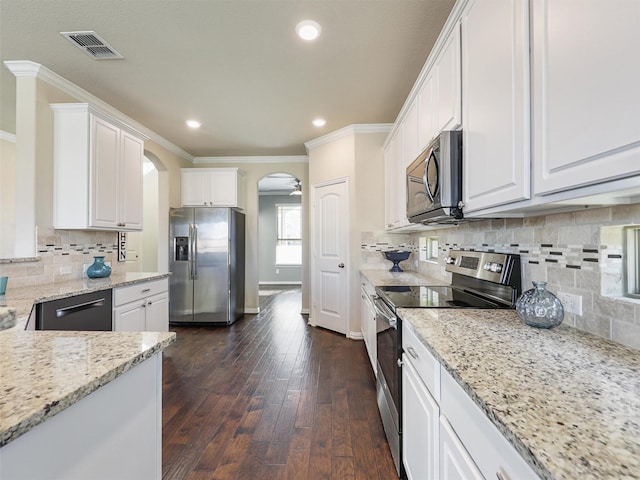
[{"x": 92, "y": 44}]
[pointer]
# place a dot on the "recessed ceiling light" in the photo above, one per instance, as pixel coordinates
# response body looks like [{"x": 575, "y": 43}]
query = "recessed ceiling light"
[
  {"x": 308, "y": 30},
  {"x": 319, "y": 122},
  {"x": 193, "y": 124}
]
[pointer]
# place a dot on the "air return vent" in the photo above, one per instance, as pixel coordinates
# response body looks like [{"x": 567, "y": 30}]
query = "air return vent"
[{"x": 92, "y": 44}]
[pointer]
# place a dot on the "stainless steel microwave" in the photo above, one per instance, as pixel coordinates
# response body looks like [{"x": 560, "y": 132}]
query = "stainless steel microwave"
[{"x": 434, "y": 182}]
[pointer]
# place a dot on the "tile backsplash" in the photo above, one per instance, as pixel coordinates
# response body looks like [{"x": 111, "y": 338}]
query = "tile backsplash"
[
  {"x": 57, "y": 249},
  {"x": 579, "y": 252}
]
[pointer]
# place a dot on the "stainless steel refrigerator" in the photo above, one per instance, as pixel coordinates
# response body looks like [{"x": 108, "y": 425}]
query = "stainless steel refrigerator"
[{"x": 206, "y": 260}]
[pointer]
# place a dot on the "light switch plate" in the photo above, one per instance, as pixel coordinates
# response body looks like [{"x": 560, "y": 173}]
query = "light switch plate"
[{"x": 570, "y": 302}]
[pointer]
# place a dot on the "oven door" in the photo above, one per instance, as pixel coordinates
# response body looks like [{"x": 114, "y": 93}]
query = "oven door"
[{"x": 388, "y": 386}]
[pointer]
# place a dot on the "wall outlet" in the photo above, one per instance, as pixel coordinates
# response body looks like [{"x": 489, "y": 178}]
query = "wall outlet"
[
  {"x": 571, "y": 303},
  {"x": 65, "y": 270},
  {"x": 277, "y": 271}
]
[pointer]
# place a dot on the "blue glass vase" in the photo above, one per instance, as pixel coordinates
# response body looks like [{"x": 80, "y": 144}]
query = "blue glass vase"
[{"x": 98, "y": 269}]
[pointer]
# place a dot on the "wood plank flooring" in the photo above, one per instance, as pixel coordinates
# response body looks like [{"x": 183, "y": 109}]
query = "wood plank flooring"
[{"x": 270, "y": 398}]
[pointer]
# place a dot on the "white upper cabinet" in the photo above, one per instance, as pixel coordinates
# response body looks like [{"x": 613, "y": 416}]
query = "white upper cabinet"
[
  {"x": 97, "y": 171},
  {"x": 495, "y": 112},
  {"x": 212, "y": 187},
  {"x": 586, "y": 95},
  {"x": 395, "y": 189},
  {"x": 409, "y": 137},
  {"x": 447, "y": 70},
  {"x": 426, "y": 111}
]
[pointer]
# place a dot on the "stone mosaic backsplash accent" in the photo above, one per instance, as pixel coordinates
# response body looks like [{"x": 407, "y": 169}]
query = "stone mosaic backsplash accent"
[
  {"x": 63, "y": 248},
  {"x": 577, "y": 252}
]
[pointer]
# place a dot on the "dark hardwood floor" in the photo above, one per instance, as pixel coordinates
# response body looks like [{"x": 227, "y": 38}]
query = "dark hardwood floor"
[{"x": 270, "y": 398}]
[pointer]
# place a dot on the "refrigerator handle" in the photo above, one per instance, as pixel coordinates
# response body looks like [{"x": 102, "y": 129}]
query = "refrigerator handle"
[
  {"x": 195, "y": 251},
  {"x": 190, "y": 251}
]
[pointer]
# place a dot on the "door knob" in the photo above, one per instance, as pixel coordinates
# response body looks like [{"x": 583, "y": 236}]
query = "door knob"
[{"x": 341, "y": 265}]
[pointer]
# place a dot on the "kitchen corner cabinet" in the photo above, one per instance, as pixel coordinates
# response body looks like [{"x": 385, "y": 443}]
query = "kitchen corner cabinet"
[
  {"x": 142, "y": 307},
  {"x": 496, "y": 99},
  {"x": 212, "y": 187},
  {"x": 395, "y": 188},
  {"x": 586, "y": 100},
  {"x": 97, "y": 171}
]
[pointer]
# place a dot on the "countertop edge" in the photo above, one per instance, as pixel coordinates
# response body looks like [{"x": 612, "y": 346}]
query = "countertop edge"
[{"x": 70, "y": 399}]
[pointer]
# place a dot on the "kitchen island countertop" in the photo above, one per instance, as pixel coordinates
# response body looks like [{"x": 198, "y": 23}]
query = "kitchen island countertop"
[
  {"x": 45, "y": 372},
  {"x": 568, "y": 401}
]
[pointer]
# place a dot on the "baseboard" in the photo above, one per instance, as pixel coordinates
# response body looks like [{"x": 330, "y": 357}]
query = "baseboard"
[
  {"x": 252, "y": 311},
  {"x": 355, "y": 336},
  {"x": 305, "y": 311},
  {"x": 279, "y": 283}
]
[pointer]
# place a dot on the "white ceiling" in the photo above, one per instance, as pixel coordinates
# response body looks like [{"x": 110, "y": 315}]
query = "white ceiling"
[{"x": 235, "y": 65}]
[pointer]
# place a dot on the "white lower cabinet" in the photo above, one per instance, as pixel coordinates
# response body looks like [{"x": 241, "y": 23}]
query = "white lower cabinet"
[
  {"x": 420, "y": 414},
  {"x": 368, "y": 323},
  {"x": 455, "y": 461},
  {"x": 445, "y": 434},
  {"x": 142, "y": 307}
]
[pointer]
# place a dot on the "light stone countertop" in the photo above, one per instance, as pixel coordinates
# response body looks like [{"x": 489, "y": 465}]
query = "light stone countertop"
[
  {"x": 568, "y": 401},
  {"x": 44, "y": 372}
]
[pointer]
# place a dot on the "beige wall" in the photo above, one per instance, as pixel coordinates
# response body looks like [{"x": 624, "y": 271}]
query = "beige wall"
[
  {"x": 360, "y": 158},
  {"x": 253, "y": 172},
  {"x": 7, "y": 197}
]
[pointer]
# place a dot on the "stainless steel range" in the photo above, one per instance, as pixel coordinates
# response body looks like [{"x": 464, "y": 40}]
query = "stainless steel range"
[{"x": 484, "y": 280}]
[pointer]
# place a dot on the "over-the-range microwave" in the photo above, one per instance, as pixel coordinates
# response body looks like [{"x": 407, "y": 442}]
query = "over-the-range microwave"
[{"x": 434, "y": 182}]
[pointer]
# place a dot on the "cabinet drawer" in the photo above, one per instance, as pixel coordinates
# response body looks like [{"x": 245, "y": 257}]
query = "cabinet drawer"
[
  {"x": 131, "y": 293},
  {"x": 492, "y": 453},
  {"x": 367, "y": 287},
  {"x": 426, "y": 365}
]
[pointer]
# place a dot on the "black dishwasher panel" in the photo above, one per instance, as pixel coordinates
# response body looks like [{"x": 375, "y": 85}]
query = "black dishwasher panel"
[{"x": 89, "y": 311}]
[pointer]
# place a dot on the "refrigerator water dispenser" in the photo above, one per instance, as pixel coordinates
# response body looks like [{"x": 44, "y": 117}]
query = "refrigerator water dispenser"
[{"x": 181, "y": 249}]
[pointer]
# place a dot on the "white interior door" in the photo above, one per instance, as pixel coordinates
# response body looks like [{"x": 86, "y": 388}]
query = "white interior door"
[{"x": 330, "y": 238}]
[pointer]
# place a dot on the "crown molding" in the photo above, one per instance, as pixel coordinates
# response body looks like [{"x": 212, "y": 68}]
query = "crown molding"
[
  {"x": 347, "y": 131},
  {"x": 28, "y": 68},
  {"x": 255, "y": 159},
  {"x": 9, "y": 137}
]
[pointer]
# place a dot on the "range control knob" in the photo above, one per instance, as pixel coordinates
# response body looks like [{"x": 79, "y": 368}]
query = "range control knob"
[
  {"x": 450, "y": 260},
  {"x": 487, "y": 266},
  {"x": 496, "y": 267}
]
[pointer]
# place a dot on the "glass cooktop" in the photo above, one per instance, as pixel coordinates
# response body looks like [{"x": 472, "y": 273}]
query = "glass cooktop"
[{"x": 433, "y": 297}]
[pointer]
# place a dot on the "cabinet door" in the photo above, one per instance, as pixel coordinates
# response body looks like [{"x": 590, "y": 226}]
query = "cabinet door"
[
  {"x": 455, "y": 462},
  {"x": 420, "y": 414},
  {"x": 157, "y": 319},
  {"x": 194, "y": 188},
  {"x": 426, "y": 112},
  {"x": 392, "y": 187},
  {"x": 495, "y": 112},
  {"x": 410, "y": 136},
  {"x": 104, "y": 173},
  {"x": 130, "y": 317},
  {"x": 223, "y": 188},
  {"x": 448, "y": 84},
  {"x": 131, "y": 198},
  {"x": 367, "y": 318},
  {"x": 586, "y": 100}
]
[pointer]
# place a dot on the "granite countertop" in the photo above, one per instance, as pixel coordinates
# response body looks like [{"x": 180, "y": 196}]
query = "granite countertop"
[
  {"x": 384, "y": 277},
  {"x": 568, "y": 401},
  {"x": 43, "y": 373},
  {"x": 23, "y": 299}
]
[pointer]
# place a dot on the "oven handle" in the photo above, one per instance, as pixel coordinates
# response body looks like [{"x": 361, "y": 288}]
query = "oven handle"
[{"x": 384, "y": 312}]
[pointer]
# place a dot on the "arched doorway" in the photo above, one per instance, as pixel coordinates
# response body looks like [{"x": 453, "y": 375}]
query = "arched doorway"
[{"x": 280, "y": 231}]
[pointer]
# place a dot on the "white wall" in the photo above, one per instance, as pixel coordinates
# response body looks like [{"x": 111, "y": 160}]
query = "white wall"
[{"x": 7, "y": 194}]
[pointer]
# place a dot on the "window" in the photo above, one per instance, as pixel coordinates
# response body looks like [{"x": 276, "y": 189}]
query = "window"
[
  {"x": 289, "y": 231},
  {"x": 632, "y": 248},
  {"x": 428, "y": 249}
]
